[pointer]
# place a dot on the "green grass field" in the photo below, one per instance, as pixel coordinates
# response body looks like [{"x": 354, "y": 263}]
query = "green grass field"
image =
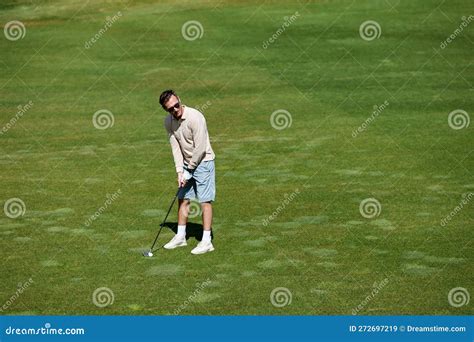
[{"x": 328, "y": 257}]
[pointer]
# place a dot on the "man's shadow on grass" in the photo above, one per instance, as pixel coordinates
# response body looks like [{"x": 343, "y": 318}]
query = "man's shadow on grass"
[{"x": 193, "y": 230}]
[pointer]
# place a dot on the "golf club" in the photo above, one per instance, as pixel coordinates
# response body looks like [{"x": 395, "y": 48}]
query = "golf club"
[{"x": 149, "y": 253}]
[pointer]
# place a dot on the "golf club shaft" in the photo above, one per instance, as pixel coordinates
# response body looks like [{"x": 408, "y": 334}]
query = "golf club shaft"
[{"x": 162, "y": 224}]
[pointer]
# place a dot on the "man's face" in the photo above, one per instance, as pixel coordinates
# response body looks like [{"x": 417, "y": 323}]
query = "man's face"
[{"x": 174, "y": 107}]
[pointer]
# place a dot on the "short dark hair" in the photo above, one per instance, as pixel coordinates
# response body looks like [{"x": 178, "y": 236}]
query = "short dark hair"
[{"x": 165, "y": 96}]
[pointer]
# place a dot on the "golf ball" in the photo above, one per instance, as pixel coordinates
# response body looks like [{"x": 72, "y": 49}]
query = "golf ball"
[{"x": 150, "y": 254}]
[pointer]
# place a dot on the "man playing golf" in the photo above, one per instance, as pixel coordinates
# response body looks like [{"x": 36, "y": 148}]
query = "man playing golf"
[{"x": 194, "y": 161}]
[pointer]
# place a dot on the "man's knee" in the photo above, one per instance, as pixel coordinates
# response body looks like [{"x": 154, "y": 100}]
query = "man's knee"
[
  {"x": 206, "y": 207},
  {"x": 183, "y": 204}
]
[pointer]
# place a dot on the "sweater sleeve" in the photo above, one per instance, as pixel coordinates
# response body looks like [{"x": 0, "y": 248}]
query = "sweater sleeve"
[
  {"x": 175, "y": 148},
  {"x": 199, "y": 129}
]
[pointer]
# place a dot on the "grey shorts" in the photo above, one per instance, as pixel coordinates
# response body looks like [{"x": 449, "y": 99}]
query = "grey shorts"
[{"x": 202, "y": 185}]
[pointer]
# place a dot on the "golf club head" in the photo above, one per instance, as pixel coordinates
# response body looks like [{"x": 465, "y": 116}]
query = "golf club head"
[{"x": 148, "y": 254}]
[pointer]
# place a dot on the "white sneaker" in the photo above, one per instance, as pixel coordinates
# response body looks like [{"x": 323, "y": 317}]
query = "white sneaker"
[
  {"x": 203, "y": 247},
  {"x": 176, "y": 241}
]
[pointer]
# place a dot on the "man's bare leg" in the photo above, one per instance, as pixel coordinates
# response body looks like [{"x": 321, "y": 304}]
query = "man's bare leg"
[
  {"x": 206, "y": 208},
  {"x": 183, "y": 211}
]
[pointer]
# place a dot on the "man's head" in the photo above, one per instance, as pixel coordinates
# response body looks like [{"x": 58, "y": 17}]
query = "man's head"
[{"x": 171, "y": 103}]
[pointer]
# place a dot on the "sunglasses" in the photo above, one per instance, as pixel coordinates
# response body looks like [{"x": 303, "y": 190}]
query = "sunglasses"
[{"x": 172, "y": 108}]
